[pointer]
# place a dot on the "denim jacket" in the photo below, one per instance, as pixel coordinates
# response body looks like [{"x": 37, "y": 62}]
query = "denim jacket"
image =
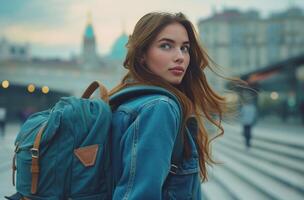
[{"x": 144, "y": 130}]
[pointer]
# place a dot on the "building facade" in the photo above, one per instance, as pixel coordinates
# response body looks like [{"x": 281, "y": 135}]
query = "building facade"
[
  {"x": 10, "y": 51},
  {"x": 243, "y": 41},
  {"x": 268, "y": 51}
]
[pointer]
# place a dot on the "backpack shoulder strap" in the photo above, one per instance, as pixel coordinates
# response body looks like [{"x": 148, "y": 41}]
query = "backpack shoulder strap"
[{"x": 141, "y": 90}]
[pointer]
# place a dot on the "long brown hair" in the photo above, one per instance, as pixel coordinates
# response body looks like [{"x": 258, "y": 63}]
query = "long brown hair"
[{"x": 194, "y": 93}]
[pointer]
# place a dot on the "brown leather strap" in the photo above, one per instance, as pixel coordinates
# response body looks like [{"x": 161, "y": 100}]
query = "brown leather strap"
[
  {"x": 91, "y": 89},
  {"x": 35, "y": 160},
  {"x": 25, "y": 198}
]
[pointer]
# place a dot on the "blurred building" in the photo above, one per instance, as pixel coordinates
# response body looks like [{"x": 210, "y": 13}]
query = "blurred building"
[
  {"x": 243, "y": 41},
  {"x": 33, "y": 83},
  {"x": 10, "y": 51},
  {"x": 89, "y": 57},
  {"x": 266, "y": 52},
  {"x": 119, "y": 50}
]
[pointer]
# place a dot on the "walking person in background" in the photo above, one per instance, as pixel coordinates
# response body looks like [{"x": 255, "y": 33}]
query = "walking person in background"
[
  {"x": 2, "y": 121},
  {"x": 302, "y": 111},
  {"x": 164, "y": 52},
  {"x": 248, "y": 116}
]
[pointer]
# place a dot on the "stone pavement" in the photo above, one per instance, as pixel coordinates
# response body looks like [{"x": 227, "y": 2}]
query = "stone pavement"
[
  {"x": 6, "y": 156},
  {"x": 271, "y": 169}
]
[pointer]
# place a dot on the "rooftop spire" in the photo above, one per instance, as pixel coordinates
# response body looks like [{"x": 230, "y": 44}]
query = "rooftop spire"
[
  {"x": 89, "y": 17},
  {"x": 89, "y": 32},
  {"x": 123, "y": 26}
]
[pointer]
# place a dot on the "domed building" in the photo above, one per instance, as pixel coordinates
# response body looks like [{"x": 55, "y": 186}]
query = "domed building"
[
  {"x": 89, "y": 53},
  {"x": 119, "y": 49}
]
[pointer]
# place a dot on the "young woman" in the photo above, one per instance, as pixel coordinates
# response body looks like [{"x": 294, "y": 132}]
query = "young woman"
[{"x": 163, "y": 51}]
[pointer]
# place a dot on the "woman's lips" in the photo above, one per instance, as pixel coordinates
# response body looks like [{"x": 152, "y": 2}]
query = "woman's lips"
[{"x": 177, "y": 71}]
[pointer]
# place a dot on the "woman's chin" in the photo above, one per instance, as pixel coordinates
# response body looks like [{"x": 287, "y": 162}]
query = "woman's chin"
[{"x": 175, "y": 82}]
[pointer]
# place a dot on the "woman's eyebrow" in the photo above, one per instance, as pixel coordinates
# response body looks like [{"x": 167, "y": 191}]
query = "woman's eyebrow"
[{"x": 171, "y": 41}]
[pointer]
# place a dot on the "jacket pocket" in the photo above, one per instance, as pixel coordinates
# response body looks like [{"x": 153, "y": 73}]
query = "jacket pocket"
[{"x": 183, "y": 183}]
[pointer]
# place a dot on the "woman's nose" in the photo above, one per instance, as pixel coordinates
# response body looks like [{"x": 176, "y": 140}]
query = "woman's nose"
[{"x": 179, "y": 56}]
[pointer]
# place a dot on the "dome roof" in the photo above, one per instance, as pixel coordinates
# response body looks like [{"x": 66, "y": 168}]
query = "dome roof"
[
  {"x": 89, "y": 32},
  {"x": 119, "y": 50}
]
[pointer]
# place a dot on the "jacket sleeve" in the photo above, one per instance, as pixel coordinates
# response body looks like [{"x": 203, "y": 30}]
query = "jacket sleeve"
[{"x": 147, "y": 149}]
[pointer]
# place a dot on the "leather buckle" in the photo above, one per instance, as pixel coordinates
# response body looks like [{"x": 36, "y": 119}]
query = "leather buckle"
[
  {"x": 173, "y": 169},
  {"x": 34, "y": 152}
]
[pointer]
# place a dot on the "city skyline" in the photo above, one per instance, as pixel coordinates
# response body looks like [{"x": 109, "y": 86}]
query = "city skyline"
[{"x": 56, "y": 29}]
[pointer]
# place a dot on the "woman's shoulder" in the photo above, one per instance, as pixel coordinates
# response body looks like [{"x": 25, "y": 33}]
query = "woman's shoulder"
[
  {"x": 140, "y": 103},
  {"x": 137, "y": 98}
]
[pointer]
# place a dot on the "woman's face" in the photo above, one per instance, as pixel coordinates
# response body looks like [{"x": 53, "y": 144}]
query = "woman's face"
[{"x": 168, "y": 55}]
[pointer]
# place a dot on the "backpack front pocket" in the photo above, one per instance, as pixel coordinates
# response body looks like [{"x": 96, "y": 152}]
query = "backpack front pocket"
[{"x": 87, "y": 173}]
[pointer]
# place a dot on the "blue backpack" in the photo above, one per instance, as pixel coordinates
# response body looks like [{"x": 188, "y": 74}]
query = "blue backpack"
[{"x": 62, "y": 153}]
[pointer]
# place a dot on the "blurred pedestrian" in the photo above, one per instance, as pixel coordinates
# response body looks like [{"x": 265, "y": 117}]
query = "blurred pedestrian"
[
  {"x": 2, "y": 121},
  {"x": 248, "y": 119},
  {"x": 284, "y": 111},
  {"x": 302, "y": 110}
]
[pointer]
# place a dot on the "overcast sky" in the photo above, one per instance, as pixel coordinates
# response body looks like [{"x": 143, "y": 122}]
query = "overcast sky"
[{"x": 55, "y": 27}]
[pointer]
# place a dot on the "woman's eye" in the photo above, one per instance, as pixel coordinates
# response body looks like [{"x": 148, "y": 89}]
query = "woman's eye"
[
  {"x": 185, "y": 48},
  {"x": 165, "y": 46}
]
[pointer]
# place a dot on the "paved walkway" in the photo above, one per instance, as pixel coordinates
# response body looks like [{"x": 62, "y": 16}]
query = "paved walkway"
[
  {"x": 6, "y": 155},
  {"x": 271, "y": 169}
]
